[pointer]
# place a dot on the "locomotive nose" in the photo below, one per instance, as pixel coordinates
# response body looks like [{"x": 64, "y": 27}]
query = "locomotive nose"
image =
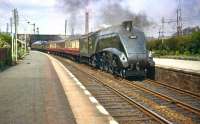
[
  {"x": 138, "y": 60},
  {"x": 136, "y": 57}
]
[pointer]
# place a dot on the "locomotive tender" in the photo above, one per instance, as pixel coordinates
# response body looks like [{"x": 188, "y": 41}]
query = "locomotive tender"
[{"x": 119, "y": 49}]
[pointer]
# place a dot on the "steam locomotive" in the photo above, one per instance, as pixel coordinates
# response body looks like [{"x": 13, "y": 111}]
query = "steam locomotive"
[{"x": 120, "y": 50}]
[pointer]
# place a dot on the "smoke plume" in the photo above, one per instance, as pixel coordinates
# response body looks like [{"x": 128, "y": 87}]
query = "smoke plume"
[
  {"x": 109, "y": 12},
  {"x": 115, "y": 14}
]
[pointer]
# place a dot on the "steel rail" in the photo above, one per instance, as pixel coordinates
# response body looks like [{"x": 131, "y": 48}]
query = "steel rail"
[
  {"x": 178, "y": 102},
  {"x": 174, "y": 88}
]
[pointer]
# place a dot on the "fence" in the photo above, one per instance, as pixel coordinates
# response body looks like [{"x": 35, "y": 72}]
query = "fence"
[{"x": 5, "y": 57}]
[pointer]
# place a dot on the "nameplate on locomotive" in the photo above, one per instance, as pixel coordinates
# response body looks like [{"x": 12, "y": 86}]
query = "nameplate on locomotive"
[{"x": 133, "y": 37}]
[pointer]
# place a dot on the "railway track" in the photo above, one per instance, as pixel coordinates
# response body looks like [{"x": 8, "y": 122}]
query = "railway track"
[
  {"x": 172, "y": 88},
  {"x": 179, "y": 96},
  {"x": 122, "y": 108},
  {"x": 156, "y": 105},
  {"x": 172, "y": 103}
]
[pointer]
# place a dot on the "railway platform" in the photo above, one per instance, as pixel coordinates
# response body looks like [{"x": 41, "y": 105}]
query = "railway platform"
[
  {"x": 40, "y": 90},
  {"x": 184, "y": 74},
  {"x": 184, "y": 65}
]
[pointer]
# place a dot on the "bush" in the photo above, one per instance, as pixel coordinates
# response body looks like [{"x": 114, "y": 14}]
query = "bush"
[
  {"x": 177, "y": 53},
  {"x": 187, "y": 53},
  {"x": 182, "y": 45},
  {"x": 5, "y": 59},
  {"x": 21, "y": 52},
  {"x": 5, "y": 46},
  {"x": 5, "y": 41}
]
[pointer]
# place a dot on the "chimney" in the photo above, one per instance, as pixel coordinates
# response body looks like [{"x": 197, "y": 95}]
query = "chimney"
[
  {"x": 86, "y": 22},
  {"x": 72, "y": 33}
]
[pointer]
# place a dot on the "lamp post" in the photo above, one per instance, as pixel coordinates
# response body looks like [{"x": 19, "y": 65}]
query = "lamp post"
[{"x": 32, "y": 24}]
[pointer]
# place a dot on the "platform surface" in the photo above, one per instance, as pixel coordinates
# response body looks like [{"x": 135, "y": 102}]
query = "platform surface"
[
  {"x": 39, "y": 90},
  {"x": 185, "y": 65},
  {"x": 31, "y": 93}
]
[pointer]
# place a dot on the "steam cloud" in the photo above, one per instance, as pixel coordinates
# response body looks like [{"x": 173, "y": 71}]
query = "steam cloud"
[
  {"x": 115, "y": 14},
  {"x": 110, "y": 13}
]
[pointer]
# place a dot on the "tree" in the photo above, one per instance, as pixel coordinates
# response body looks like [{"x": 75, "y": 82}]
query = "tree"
[
  {"x": 5, "y": 40},
  {"x": 183, "y": 45}
]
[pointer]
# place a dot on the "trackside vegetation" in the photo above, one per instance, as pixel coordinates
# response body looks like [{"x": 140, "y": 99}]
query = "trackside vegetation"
[
  {"x": 5, "y": 50},
  {"x": 180, "y": 47}
]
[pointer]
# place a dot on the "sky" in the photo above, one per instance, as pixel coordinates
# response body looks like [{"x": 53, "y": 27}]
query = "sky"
[{"x": 50, "y": 15}]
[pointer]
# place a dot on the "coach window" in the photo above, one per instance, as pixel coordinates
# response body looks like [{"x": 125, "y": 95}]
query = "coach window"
[
  {"x": 77, "y": 44},
  {"x": 70, "y": 44}
]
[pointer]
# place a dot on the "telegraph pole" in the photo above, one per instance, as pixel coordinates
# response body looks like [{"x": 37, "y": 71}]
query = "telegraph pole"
[
  {"x": 86, "y": 22},
  {"x": 34, "y": 37},
  {"x": 87, "y": 18},
  {"x": 72, "y": 33},
  {"x": 177, "y": 22},
  {"x": 159, "y": 33},
  {"x": 179, "y": 19},
  {"x": 7, "y": 27},
  {"x": 65, "y": 28},
  {"x": 163, "y": 22},
  {"x": 16, "y": 19},
  {"x": 11, "y": 25},
  {"x": 34, "y": 28},
  {"x": 37, "y": 30},
  {"x": 25, "y": 45},
  {"x": 11, "y": 32}
]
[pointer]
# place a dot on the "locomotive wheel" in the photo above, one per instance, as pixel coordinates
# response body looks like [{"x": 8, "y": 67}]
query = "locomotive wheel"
[
  {"x": 106, "y": 68},
  {"x": 101, "y": 66},
  {"x": 93, "y": 63},
  {"x": 113, "y": 70},
  {"x": 123, "y": 73},
  {"x": 110, "y": 69}
]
